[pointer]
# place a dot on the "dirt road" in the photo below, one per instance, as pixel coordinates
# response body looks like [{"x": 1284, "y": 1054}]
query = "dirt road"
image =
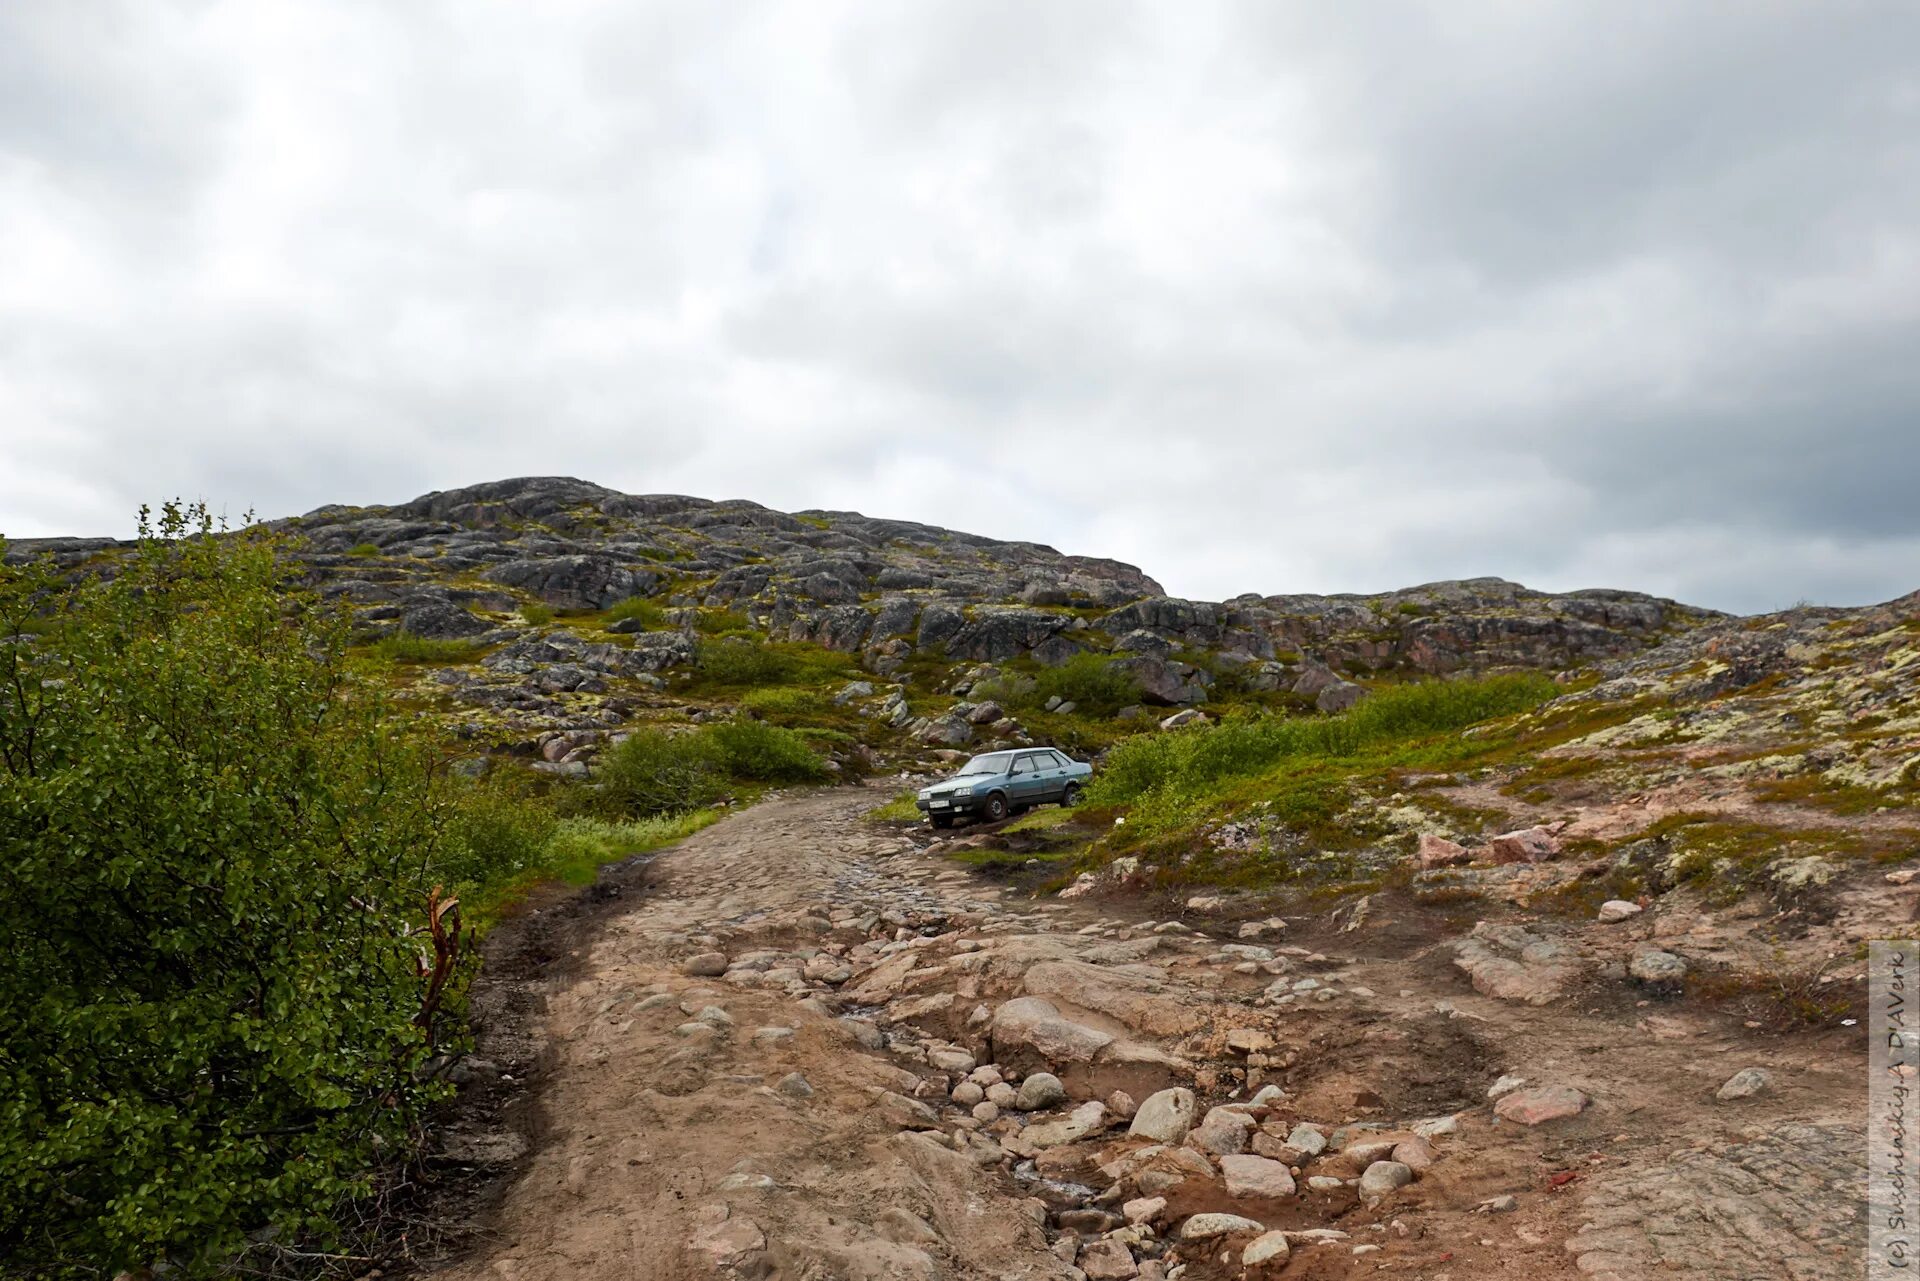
[{"x": 807, "y": 1046}]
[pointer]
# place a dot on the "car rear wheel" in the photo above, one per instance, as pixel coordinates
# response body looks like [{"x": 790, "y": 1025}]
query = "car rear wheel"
[
  {"x": 996, "y": 808},
  {"x": 1070, "y": 797}
]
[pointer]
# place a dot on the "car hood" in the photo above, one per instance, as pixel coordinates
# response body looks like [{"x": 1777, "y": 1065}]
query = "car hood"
[{"x": 947, "y": 785}]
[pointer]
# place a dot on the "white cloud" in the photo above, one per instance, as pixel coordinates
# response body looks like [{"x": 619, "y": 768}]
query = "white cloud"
[{"x": 1258, "y": 302}]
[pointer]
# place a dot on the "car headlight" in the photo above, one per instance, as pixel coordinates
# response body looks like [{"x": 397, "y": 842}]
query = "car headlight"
[{"x": 963, "y": 791}]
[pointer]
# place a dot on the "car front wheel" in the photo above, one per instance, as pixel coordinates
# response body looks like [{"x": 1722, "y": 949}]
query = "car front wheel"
[
  {"x": 1070, "y": 797},
  {"x": 996, "y": 808}
]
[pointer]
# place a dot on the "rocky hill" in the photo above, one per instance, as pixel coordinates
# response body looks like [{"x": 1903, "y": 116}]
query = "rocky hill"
[{"x": 550, "y": 584}]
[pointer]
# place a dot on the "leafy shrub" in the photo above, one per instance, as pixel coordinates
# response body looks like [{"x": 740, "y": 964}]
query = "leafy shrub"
[
  {"x": 649, "y": 613},
  {"x": 722, "y": 622},
  {"x": 738, "y": 660},
  {"x": 217, "y": 859},
  {"x": 1090, "y": 682},
  {"x": 363, "y": 549},
  {"x": 653, "y": 772},
  {"x": 534, "y": 614},
  {"x": 493, "y": 835},
  {"x": 764, "y": 753},
  {"x": 405, "y": 647}
]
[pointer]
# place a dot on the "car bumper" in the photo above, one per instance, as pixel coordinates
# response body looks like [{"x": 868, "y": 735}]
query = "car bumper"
[{"x": 947, "y": 805}]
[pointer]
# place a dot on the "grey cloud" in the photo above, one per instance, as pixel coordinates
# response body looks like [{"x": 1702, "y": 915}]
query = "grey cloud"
[{"x": 1262, "y": 297}]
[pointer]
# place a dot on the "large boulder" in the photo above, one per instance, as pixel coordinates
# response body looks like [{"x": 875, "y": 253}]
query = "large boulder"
[
  {"x": 575, "y": 582},
  {"x": 1165, "y": 681},
  {"x": 1029, "y": 1033}
]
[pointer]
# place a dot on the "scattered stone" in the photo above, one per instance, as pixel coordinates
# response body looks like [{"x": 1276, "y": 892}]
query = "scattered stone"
[
  {"x": 986, "y": 1113},
  {"x": 1744, "y": 1084},
  {"x": 1205, "y": 1227},
  {"x": 1529, "y": 845},
  {"x": 1041, "y": 1090},
  {"x": 1498, "y": 1205},
  {"x": 1268, "y": 1247},
  {"x": 1505, "y": 1085},
  {"x": 1165, "y": 1116},
  {"x": 1383, "y": 1177},
  {"x": 730, "y": 1242},
  {"x": 1223, "y": 1132},
  {"x": 1416, "y": 1154},
  {"x": 1438, "y": 851},
  {"x": 1256, "y": 1176},
  {"x": 1540, "y": 1104},
  {"x": 1307, "y": 1139},
  {"x": 1120, "y": 1104},
  {"x": 1078, "y": 1124},
  {"x": 794, "y": 1086},
  {"x": 1325, "y": 1183},
  {"x": 1615, "y": 910},
  {"x": 706, "y": 965},
  {"x": 966, "y": 1094},
  {"x": 1144, "y": 1209},
  {"x": 1108, "y": 1261},
  {"x": 906, "y": 1113},
  {"x": 1655, "y": 966}
]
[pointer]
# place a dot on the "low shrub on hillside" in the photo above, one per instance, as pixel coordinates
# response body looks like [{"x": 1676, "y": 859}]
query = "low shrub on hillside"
[
  {"x": 737, "y": 662},
  {"x": 649, "y": 614},
  {"x": 1091, "y": 682},
  {"x": 405, "y": 647},
  {"x": 785, "y": 703},
  {"x": 765, "y": 753}
]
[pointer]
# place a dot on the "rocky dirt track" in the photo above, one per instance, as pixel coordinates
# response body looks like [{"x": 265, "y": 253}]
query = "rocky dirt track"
[{"x": 811, "y": 1048}]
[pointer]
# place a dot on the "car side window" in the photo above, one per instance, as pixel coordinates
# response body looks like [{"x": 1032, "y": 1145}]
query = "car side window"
[
  {"x": 1059, "y": 761},
  {"x": 1021, "y": 765}
]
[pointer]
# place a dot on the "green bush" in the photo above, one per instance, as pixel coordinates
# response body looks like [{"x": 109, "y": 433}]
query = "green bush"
[
  {"x": 722, "y": 622},
  {"x": 217, "y": 858},
  {"x": 765, "y": 753},
  {"x": 405, "y": 647},
  {"x": 494, "y": 834},
  {"x": 1090, "y": 682},
  {"x": 363, "y": 550},
  {"x": 653, "y": 772},
  {"x": 535, "y": 614},
  {"x": 739, "y": 660},
  {"x": 649, "y": 614}
]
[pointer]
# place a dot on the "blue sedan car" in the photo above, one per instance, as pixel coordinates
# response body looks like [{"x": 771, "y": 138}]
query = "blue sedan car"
[{"x": 996, "y": 784}]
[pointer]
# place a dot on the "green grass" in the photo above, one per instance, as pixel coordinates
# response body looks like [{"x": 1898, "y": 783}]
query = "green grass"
[
  {"x": 1196, "y": 759},
  {"x": 577, "y": 848},
  {"x": 363, "y": 550},
  {"x": 535, "y": 614},
  {"x": 741, "y": 662},
  {"x": 722, "y": 622},
  {"x": 649, "y": 614},
  {"x": 405, "y": 647},
  {"x": 784, "y": 703},
  {"x": 1308, "y": 780},
  {"x": 900, "y": 809}
]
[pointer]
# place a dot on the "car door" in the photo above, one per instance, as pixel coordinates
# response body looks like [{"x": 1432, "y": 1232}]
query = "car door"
[{"x": 1024, "y": 783}]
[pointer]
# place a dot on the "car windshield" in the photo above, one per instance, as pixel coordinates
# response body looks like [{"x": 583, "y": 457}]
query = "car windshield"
[{"x": 991, "y": 763}]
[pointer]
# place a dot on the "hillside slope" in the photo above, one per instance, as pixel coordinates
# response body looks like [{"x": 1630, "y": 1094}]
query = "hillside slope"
[{"x": 553, "y": 607}]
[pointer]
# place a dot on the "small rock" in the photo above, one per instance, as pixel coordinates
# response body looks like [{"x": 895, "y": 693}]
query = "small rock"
[
  {"x": 1205, "y": 1227},
  {"x": 1268, "y": 1247},
  {"x": 1255, "y": 1176},
  {"x": 1041, "y": 1090},
  {"x": 1499, "y": 1205},
  {"x": 1540, "y": 1104},
  {"x": 1438, "y": 851},
  {"x": 1144, "y": 1209},
  {"x": 1416, "y": 1154},
  {"x": 1616, "y": 910},
  {"x": 1325, "y": 1183},
  {"x": 986, "y": 1112},
  {"x": 794, "y": 1086},
  {"x": 706, "y": 965},
  {"x": 1108, "y": 1261},
  {"x": 903, "y": 1227},
  {"x": 1744, "y": 1084},
  {"x": 1120, "y": 1104},
  {"x": 1224, "y": 1131},
  {"x": 1383, "y": 1177},
  {"x": 1307, "y": 1139},
  {"x": 1655, "y": 966},
  {"x": 1165, "y": 1116},
  {"x": 1001, "y": 1094},
  {"x": 966, "y": 1094},
  {"x": 1505, "y": 1085}
]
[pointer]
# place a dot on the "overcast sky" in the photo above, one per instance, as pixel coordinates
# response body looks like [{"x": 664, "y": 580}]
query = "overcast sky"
[{"x": 1263, "y": 297}]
